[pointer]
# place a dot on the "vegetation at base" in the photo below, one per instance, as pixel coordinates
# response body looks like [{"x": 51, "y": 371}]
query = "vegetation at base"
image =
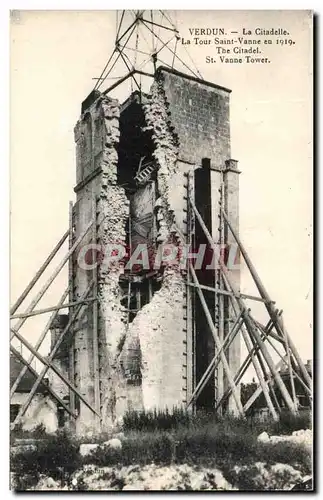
[
  {"x": 56, "y": 456},
  {"x": 165, "y": 438},
  {"x": 18, "y": 432},
  {"x": 151, "y": 421}
]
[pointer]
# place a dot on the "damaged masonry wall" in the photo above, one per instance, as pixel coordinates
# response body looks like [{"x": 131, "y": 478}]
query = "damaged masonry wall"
[
  {"x": 157, "y": 332},
  {"x": 97, "y": 136},
  {"x": 156, "y": 347},
  {"x": 158, "y": 329}
]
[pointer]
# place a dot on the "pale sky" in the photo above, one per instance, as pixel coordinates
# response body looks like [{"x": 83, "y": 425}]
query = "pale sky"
[{"x": 55, "y": 55}]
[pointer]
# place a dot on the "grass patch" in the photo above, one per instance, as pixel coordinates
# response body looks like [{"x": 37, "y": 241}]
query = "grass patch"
[
  {"x": 57, "y": 456},
  {"x": 153, "y": 420},
  {"x": 289, "y": 423},
  {"x": 163, "y": 438},
  {"x": 138, "y": 448},
  {"x": 157, "y": 420},
  {"x": 18, "y": 432}
]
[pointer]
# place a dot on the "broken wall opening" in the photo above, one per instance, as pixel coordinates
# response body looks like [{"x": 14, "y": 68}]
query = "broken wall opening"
[
  {"x": 138, "y": 291},
  {"x": 135, "y": 149}
]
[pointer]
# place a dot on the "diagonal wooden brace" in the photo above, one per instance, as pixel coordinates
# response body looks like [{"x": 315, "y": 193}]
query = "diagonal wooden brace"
[
  {"x": 40, "y": 294},
  {"x": 48, "y": 363},
  {"x": 217, "y": 341},
  {"x": 268, "y": 304},
  {"x": 208, "y": 372},
  {"x": 48, "y": 388},
  {"x": 38, "y": 274},
  {"x": 251, "y": 328},
  {"x": 38, "y": 344}
]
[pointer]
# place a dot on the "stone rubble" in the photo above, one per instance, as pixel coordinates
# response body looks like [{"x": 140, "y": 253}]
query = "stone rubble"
[
  {"x": 300, "y": 437},
  {"x": 260, "y": 476}
]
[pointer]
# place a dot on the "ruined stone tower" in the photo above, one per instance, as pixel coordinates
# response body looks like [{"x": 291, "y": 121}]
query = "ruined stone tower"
[{"x": 146, "y": 343}]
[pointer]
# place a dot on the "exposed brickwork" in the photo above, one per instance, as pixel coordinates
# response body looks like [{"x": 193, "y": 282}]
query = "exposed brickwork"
[
  {"x": 200, "y": 117},
  {"x": 186, "y": 121},
  {"x": 160, "y": 324},
  {"x": 112, "y": 209}
]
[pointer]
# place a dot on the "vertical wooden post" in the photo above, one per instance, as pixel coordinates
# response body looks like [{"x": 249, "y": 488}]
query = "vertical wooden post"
[
  {"x": 215, "y": 361},
  {"x": 290, "y": 369},
  {"x": 268, "y": 303},
  {"x": 95, "y": 312},
  {"x": 226, "y": 367},
  {"x": 256, "y": 361},
  {"x": 71, "y": 311},
  {"x": 150, "y": 290},
  {"x": 252, "y": 330},
  {"x": 129, "y": 282},
  {"x": 220, "y": 298},
  {"x": 190, "y": 338},
  {"x": 38, "y": 343}
]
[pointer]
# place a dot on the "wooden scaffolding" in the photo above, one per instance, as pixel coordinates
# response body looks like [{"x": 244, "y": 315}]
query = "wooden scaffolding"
[{"x": 260, "y": 340}]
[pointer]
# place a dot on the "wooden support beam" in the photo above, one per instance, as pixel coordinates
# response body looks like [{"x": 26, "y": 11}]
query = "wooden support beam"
[
  {"x": 48, "y": 388},
  {"x": 225, "y": 363},
  {"x": 71, "y": 299},
  {"x": 226, "y": 292},
  {"x": 245, "y": 365},
  {"x": 118, "y": 82},
  {"x": 212, "y": 366},
  {"x": 45, "y": 287},
  {"x": 95, "y": 313},
  {"x": 38, "y": 274},
  {"x": 220, "y": 300},
  {"x": 48, "y": 363},
  {"x": 38, "y": 344},
  {"x": 190, "y": 337},
  {"x": 290, "y": 369},
  {"x": 271, "y": 333},
  {"x": 295, "y": 374},
  {"x": 259, "y": 390},
  {"x": 249, "y": 342},
  {"x": 251, "y": 328},
  {"x": 269, "y": 306},
  {"x": 54, "y": 308}
]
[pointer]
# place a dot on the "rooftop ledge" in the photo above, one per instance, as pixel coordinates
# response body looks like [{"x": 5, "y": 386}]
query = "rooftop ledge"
[{"x": 161, "y": 69}]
